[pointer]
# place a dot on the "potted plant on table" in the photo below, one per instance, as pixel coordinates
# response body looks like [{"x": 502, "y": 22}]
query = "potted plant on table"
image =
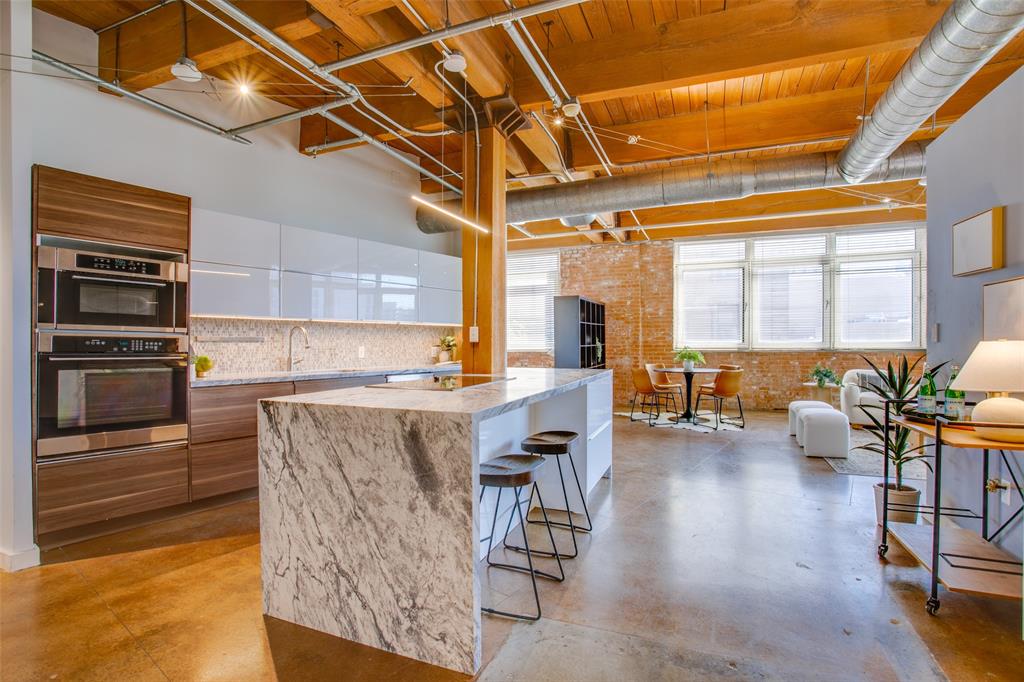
[
  {"x": 688, "y": 356},
  {"x": 203, "y": 365},
  {"x": 823, "y": 375},
  {"x": 447, "y": 345},
  {"x": 895, "y": 383}
]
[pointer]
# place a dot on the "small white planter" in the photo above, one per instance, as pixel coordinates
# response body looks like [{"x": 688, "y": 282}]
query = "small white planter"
[
  {"x": 444, "y": 356},
  {"x": 688, "y": 365},
  {"x": 906, "y": 496}
]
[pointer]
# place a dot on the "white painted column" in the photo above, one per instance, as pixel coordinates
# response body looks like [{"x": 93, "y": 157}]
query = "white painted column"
[{"x": 17, "y": 547}]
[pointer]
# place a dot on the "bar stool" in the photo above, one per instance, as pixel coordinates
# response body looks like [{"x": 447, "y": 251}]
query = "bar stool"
[
  {"x": 558, "y": 443},
  {"x": 517, "y": 471}
]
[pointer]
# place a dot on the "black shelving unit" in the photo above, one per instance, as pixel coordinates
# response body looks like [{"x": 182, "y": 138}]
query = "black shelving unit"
[{"x": 579, "y": 333}]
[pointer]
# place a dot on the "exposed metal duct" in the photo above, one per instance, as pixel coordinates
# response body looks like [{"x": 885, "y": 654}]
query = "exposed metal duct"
[
  {"x": 968, "y": 35},
  {"x": 451, "y": 32},
  {"x": 432, "y": 222},
  {"x": 171, "y": 111},
  {"x": 578, "y": 220},
  {"x": 721, "y": 180}
]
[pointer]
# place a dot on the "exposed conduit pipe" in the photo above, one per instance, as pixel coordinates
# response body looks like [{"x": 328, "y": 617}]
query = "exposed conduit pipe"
[
  {"x": 968, "y": 35},
  {"x": 726, "y": 221},
  {"x": 450, "y": 32},
  {"x": 137, "y": 15},
  {"x": 292, "y": 115},
  {"x": 727, "y": 179},
  {"x": 531, "y": 61},
  {"x": 170, "y": 111}
]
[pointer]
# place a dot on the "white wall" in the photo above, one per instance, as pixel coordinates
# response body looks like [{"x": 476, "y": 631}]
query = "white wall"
[
  {"x": 976, "y": 164},
  {"x": 360, "y": 192}
]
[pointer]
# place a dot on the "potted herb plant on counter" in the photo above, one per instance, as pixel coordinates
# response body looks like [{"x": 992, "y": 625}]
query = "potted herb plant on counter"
[
  {"x": 688, "y": 356},
  {"x": 447, "y": 345},
  {"x": 203, "y": 365},
  {"x": 895, "y": 383}
]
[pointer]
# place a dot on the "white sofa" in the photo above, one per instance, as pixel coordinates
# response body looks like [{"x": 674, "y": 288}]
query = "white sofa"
[{"x": 852, "y": 396}]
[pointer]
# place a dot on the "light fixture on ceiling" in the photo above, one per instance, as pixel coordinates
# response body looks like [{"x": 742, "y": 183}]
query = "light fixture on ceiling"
[
  {"x": 455, "y": 62},
  {"x": 923, "y": 182},
  {"x": 453, "y": 216},
  {"x": 571, "y": 108},
  {"x": 558, "y": 119},
  {"x": 185, "y": 69},
  {"x": 244, "y": 89}
]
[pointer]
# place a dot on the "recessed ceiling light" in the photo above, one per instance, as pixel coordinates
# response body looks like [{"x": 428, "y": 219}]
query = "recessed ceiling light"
[{"x": 186, "y": 70}]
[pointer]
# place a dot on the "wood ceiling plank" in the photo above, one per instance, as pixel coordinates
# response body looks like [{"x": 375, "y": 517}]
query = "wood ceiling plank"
[
  {"x": 774, "y": 121},
  {"x": 752, "y": 39},
  {"x": 146, "y": 48}
]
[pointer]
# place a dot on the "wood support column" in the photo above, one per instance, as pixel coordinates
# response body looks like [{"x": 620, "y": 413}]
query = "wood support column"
[{"x": 483, "y": 256}]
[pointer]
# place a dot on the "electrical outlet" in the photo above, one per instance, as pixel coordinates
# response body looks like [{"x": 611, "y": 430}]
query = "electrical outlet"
[
  {"x": 474, "y": 334},
  {"x": 362, "y": 352}
]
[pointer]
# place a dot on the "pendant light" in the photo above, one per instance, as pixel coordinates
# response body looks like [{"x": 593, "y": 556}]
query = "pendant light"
[{"x": 185, "y": 69}]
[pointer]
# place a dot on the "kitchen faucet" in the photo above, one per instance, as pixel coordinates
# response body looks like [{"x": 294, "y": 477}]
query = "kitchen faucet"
[{"x": 291, "y": 348}]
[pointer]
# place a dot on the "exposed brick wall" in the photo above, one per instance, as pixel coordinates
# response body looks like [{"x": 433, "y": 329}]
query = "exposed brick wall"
[{"x": 636, "y": 285}]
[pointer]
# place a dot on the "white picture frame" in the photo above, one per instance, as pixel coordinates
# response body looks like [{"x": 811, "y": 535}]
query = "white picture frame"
[
  {"x": 978, "y": 243},
  {"x": 1002, "y": 310}
]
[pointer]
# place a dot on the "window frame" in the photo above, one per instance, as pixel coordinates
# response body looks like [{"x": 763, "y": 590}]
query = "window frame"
[
  {"x": 549, "y": 322},
  {"x": 830, "y": 263}
]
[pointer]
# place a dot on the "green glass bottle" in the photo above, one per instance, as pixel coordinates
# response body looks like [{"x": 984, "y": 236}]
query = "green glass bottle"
[
  {"x": 955, "y": 400},
  {"x": 926, "y": 392}
]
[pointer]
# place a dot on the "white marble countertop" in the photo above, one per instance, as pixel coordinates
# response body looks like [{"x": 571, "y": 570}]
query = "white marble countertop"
[
  {"x": 525, "y": 386},
  {"x": 312, "y": 374}
]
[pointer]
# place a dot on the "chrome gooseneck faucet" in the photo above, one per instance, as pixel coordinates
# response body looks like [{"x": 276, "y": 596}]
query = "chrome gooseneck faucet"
[{"x": 291, "y": 346}]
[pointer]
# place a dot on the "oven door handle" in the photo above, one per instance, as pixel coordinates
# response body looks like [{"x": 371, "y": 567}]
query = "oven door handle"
[
  {"x": 120, "y": 281},
  {"x": 105, "y": 358}
]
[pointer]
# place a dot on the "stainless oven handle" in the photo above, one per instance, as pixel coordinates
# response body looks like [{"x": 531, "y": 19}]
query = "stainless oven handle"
[
  {"x": 120, "y": 281},
  {"x": 166, "y": 445},
  {"x": 104, "y": 358}
]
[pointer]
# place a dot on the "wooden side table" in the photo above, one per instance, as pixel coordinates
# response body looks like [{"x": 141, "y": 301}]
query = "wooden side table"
[{"x": 822, "y": 393}]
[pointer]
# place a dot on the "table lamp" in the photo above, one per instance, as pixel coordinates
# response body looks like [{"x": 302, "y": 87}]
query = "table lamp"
[{"x": 997, "y": 368}]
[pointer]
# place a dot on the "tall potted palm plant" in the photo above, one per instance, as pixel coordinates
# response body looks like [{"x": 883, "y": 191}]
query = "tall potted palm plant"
[{"x": 895, "y": 383}]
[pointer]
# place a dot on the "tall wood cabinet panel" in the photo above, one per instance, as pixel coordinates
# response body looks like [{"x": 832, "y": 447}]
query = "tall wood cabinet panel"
[
  {"x": 77, "y": 492},
  {"x": 85, "y": 207}
]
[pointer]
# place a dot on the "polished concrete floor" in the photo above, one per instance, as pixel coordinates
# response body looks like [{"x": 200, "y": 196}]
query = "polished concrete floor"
[{"x": 714, "y": 556}]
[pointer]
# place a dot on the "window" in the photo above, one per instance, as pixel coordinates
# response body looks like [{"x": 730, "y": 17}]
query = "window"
[
  {"x": 532, "y": 281},
  {"x": 837, "y": 289}
]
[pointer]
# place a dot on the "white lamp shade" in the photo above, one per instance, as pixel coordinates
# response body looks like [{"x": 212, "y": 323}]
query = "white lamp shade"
[{"x": 994, "y": 367}]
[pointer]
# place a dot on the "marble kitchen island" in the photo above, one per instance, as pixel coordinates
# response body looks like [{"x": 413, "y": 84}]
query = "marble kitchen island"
[{"x": 370, "y": 507}]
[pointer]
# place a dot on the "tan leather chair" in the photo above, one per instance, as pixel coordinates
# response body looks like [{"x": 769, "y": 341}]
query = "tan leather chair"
[
  {"x": 665, "y": 386},
  {"x": 711, "y": 384},
  {"x": 727, "y": 385},
  {"x": 643, "y": 389}
]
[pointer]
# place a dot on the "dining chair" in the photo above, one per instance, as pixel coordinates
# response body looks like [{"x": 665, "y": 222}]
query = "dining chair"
[
  {"x": 644, "y": 389},
  {"x": 665, "y": 386},
  {"x": 726, "y": 385}
]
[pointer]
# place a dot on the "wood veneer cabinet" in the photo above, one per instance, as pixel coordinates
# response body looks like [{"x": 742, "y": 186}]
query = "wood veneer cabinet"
[
  {"x": 78, "y": 492},
  {"x": 86, "y": 207}
]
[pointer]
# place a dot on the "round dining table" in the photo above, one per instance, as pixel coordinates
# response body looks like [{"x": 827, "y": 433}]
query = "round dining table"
[{"x": 689, "y": 415}]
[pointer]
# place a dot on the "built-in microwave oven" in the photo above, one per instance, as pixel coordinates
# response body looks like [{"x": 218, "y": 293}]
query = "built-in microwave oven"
[
  {"x": 98, "y": 392},
  {"x": 95, "y": 289}
]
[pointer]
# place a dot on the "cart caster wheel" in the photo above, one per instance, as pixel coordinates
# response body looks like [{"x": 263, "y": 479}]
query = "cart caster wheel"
[
  {"x": 932, "y": 606},
  {"x": 882, "y": 550}
]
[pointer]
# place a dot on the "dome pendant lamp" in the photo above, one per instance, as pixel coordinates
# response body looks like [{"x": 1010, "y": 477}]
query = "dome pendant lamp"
[{"x": 185, "y": 69}]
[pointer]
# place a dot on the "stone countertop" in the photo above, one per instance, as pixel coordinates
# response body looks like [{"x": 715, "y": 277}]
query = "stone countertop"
[
  {"x": 524, "y": 387},
  {"x": 313, "y": 374}
]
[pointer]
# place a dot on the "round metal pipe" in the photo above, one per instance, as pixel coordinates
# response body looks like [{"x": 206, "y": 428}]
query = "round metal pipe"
[{"x": 292, "y": 115}]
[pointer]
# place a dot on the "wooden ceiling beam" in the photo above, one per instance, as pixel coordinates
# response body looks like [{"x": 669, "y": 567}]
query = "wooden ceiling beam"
[
  {"x": 752, "y": 39},
  {"x": 141, "y": 52},
  {"x": 776, "y": 121}
]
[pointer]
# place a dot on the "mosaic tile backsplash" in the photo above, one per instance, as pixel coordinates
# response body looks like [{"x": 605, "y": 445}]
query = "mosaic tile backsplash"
[{"x": 333, "y": 345}]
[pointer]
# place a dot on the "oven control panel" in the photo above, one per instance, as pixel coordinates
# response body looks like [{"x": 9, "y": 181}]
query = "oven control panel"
[
  {"x": 128, "y": 266},
  {"x": 115, "y": 344}
]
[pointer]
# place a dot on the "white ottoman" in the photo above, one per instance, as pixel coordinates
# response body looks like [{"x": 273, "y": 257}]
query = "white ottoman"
[
  {"x": 826, "y": 433},
  {"x": 796, "y": 406}
]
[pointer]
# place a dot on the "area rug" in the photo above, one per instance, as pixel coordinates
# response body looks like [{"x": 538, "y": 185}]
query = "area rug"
[
  {"x": 663, "y": 420},
  {"x": 867, "y": 463}
]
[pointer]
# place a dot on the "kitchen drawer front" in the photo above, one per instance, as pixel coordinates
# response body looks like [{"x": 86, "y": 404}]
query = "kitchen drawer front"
[
  {"x": 226, "y": 412},
  {"x": 316, "y": 385},
  {"x": 599, "y": 404},
  {"x": 75, "y": 493},
  {"x": 224, "y": 467}
]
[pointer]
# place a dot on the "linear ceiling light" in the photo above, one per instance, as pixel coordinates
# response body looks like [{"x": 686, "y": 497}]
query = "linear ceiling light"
[{"x": 453, "y": 216}]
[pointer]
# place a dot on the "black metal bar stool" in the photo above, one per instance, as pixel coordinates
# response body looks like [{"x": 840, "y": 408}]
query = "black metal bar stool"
[
  {"x": 559, "y": 443},
  {"x": 517, "y": 471}
]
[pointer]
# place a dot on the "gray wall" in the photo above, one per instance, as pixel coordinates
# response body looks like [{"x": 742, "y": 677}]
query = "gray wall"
[{"x": 976, "y": 164}]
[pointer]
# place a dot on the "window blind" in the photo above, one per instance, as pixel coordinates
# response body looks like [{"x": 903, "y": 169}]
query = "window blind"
[
  {"x": 710, "y": 307},
  {"x": 875, "y": 303},
  {"x": 532, "y": 282}
]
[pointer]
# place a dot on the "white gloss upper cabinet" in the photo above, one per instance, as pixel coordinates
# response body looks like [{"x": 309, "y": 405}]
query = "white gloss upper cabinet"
[
  {"x": 388, "y": 263},
  {"x": 387, "y": 301},
  {"x": 318, "y": 297},
  {"x": 234, "y": 240},
  {"x": 440, "y": 305},
  {"x": 440, "y": 271},
  {"x": 318, "y": 253},
  {"x": 220, "y": 289}
]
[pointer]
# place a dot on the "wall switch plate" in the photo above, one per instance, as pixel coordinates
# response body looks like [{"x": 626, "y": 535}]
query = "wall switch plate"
[
  {"x": 474, "y": 334},
  {"x": 362, "y": 352},
  {"x": 935, "y": 332}
]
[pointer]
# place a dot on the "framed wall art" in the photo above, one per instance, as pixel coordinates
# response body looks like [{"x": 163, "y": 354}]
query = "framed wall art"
[
  {"x": 1002, "y": 310},
  {"x": 978, "y": 243}
]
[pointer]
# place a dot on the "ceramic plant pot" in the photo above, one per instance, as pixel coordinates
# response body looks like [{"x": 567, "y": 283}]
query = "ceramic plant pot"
[
  {"x": 688, "y": 365},
  {"x": 444, "y": 356},
  {"x": 906, "y": 496}
]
